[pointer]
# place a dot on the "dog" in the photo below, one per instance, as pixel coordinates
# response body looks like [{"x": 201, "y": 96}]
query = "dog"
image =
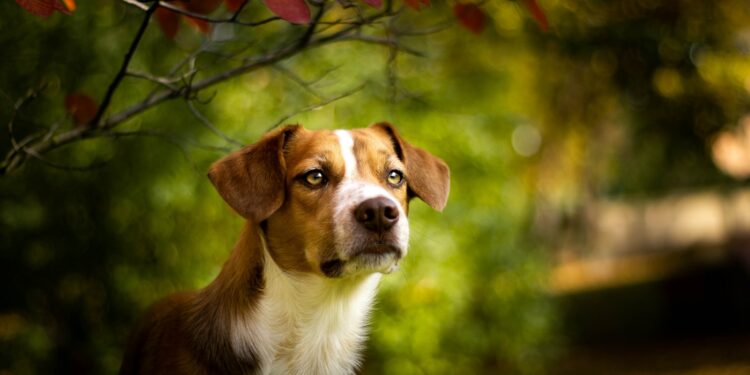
[{"x": 326, "y": 216}]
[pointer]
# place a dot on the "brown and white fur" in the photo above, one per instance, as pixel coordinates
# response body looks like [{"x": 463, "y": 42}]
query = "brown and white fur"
[{"x": 326, "y": 217}]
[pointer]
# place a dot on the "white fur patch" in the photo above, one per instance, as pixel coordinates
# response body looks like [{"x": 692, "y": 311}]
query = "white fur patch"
[
  {"x": 309, "y": 324},
  {"x": 346, "y": 143}
]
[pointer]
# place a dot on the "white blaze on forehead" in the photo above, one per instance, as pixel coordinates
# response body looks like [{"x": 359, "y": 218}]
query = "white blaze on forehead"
[{"x": 346, "y": 142}]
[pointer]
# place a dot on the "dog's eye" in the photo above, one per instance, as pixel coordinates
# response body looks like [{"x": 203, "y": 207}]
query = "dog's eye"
[
  {"x": 315, "y": 178},
  {"x": 395, "y": 178}
]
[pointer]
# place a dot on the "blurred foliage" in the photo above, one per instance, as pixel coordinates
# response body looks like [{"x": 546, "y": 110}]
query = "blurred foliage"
[{"x": 618, "y": 98}]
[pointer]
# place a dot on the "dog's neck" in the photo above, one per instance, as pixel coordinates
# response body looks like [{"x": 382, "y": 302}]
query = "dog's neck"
[{"x": 287, "y": 322}]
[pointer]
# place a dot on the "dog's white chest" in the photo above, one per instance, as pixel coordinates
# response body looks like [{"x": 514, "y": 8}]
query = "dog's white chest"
[{"x": 306, "y": 324}]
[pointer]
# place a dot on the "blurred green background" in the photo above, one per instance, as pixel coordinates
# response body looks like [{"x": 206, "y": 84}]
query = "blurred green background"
[{"x": 552, "y": 255}]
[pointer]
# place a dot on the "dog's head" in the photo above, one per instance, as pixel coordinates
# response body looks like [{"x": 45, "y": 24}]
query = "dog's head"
[{"x": 332, "y": 202}]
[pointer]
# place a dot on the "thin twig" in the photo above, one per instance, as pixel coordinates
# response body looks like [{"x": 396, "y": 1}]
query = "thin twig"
[
  {"x": 347, "y": 30},
  {"x": 426, "y": 31},
  {"x": 311, "y": 28},
  {"x": 391, "y": 67},
  {"x": 163, "y": 135},
  {"x": 388, "y": 42},
  {"x": 17, "y": 147},
  {"x": 239, "y": 10},
  {"x": 124, "y": 67},
  {"x": 162, "y": 96},
  {"x": 315, "y": 106},
  {"x": 203, "y": 120},
  {"x": 137, "y": 4},
  {"x": 180, "y": 143},
  {"x": 307, "y": 86},
  {"x": 233, "y": 19},
  {"x": 71, "y": 168},
  {"x": 168, "y": 83}
]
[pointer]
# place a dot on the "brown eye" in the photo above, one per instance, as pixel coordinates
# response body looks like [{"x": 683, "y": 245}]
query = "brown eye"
[
  {"x": 314, "y": 178},
  {"x": 395, "y": 178}
]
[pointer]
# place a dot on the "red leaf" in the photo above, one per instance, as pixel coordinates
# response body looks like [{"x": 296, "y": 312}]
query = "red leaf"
[
  {"x": 45, "y": 8},
  {"x": 234, "y": 5},
  {"x": 417, "y": 4},
  {"x": 81, "y": 107},
  {"x": 202, "y": 26},
  {"x": 169, "y": 22},
  {"x": 537, "y": 13},
  {"x": 294, "y": 11},
  {"x": 200, "y": 6},
  {"x": 70, "y": 4},
  {"x": 374, "y": 3},
  {"x": 470, "y": 16}
]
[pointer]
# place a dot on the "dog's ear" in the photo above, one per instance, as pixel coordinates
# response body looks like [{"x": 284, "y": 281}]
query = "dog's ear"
[
  {"x": 251, "y": 180},
  {"x": 427, "y": 177}
]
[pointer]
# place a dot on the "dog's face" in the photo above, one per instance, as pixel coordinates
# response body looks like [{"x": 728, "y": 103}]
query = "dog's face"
[{"x": 333, "y": 203}]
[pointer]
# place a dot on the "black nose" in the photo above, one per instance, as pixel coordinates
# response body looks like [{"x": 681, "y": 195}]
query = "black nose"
[{"x": 377, "y": 214}]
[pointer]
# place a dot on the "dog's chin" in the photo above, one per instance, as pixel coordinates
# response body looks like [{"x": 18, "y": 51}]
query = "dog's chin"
[{"x": 371, "y": 258}]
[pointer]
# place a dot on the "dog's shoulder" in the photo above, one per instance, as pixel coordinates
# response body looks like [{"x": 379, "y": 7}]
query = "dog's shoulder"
[
  {"x": 170, "y": 340},
  {"x": 160, "y": 330}
]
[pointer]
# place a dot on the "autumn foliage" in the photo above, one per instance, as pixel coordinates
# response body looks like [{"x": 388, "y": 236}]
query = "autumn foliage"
[
  {"x": 469, "y": 15},
  {"x": 45, "y": 8},
  {"x": 81, "y": 106},
  {"x": 169, "y": 20},
  {"x": 417, "y": 4}
]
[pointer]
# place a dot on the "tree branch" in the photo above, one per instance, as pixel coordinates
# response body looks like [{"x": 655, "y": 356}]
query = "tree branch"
[
  {"x": 388, "y": 42},
  {"x": 307, "y": 86},
  {"x": 310, "y": 39},
  {"x": 124, "y": 67},
  {"x": 315, "y": 106},
  {"x": 311, "y": 28},
  {"x": 168, "y": 83},
  {"x": 233, "y": 19},
  {"x": 169, "y": 138},
  {"x": 203, "y": 120}
]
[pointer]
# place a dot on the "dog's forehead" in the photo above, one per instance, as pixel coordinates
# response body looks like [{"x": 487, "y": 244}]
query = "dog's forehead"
[
  {"x": 312, "y": 149},
  {"x": 362, "y": 149},
  {"x": 372, "y": 142}
]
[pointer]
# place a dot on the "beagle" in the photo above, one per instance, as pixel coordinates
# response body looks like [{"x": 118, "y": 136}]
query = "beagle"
[{"x": 325, "y": 218}]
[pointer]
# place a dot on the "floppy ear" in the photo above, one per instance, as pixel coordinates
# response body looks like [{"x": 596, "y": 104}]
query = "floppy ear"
[
  {"x": 427, "y": 177},
  {"x": 251, "y": 180}
]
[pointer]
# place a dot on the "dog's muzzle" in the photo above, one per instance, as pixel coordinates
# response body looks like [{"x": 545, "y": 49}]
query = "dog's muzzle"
[{"x": 373, "y": 243}]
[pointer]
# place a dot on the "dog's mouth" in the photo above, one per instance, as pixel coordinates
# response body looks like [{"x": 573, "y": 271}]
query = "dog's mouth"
[
  {"x": 332, "y": 268},
  {"x": 378, "y": 248},
  {"x": 373, "y": 257}
]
